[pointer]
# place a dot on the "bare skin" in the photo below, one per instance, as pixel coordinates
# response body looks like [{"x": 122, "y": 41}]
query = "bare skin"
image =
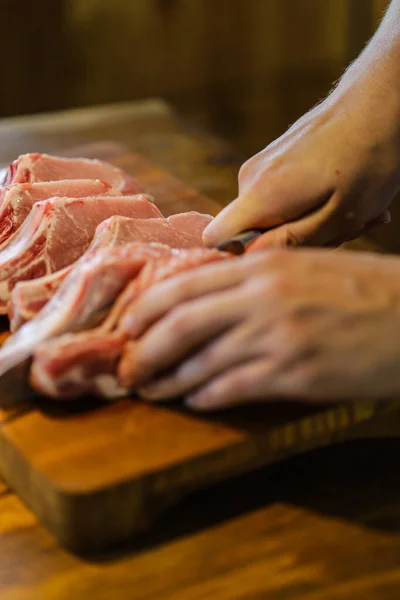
[
  {"x": 334, "y": 172},
  {"x": 292, "y": 323},
  {"x": 280, "y": 324}
]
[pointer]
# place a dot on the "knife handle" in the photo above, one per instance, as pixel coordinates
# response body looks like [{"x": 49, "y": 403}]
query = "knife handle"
[{"x": 238, "y": 243}]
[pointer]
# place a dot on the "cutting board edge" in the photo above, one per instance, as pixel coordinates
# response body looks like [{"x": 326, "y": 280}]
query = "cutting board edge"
[{"x": 138, "y": 502}]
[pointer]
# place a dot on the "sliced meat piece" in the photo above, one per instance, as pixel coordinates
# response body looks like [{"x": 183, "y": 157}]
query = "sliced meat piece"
[
  {"x": 57, "y": 232},
  {"x": 192, "y": 222},
  {"x": 28, "y": 297},
  {"x": 86, "y": 363},
  {"x": 31, "y": 168},
  {"x": 154, "y": 272},
  {"x": 90, "y": 288},
  {"x": 17, "y": 200},
  {"x": 63, "y": 368},
  {"x": 178, "y": 231}
]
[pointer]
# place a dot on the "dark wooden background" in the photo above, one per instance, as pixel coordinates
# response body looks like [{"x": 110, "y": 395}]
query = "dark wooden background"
[{"x": 244, "y": 68}]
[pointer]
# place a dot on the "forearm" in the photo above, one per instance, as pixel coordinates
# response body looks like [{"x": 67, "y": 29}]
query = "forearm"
[{"x": 378, "y": 66}]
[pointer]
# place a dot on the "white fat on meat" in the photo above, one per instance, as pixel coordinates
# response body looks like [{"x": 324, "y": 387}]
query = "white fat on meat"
[
  {"x": 34, "y": 167},
  {"x": 98, "y": 351},
  {"x": 17, "y": 200},
  {"x": 90, "y": 288},
  {"x": 57, "y": 232},
  {"x": 28, "y": 297}
]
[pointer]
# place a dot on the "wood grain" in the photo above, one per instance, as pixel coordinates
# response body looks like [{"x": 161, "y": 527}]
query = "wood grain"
[
  {"x": 323, "y": 525},
  {"x": 97, "y": 477}
]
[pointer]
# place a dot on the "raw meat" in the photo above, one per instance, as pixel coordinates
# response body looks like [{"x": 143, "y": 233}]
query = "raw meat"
[
  {"x": 57, "y": 232},
  {"x": 31, "y": 168},
  {"x": 89, "y": 289},
  {"x": 28, "y": 297},
  {"x": 17, "y": 200},
  {"x": 178, "y": 231},
  {"x": 77, "y": 364}
]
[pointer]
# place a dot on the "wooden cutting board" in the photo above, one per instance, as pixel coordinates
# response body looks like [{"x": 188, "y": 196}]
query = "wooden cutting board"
[{"x": 97, "y": 473}]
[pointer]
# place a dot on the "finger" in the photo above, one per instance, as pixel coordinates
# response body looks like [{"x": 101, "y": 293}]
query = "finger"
[
  {"x": 164, "y": 296},
  {"x": 259, "y": 380},
  {"x": 180, "y": 332},
  {"x": 225, "y": 352},
  {"x": 236, "y": 386},
  {"x": 384, "y": 218},
  {"x": 317, "y": 229},
  {"x": 246, "y": 212}
]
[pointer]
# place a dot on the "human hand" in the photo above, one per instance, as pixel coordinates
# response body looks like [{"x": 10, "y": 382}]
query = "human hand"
[
  {"x": 306, "y": 324},
  {"x": 327, "y": 180}
]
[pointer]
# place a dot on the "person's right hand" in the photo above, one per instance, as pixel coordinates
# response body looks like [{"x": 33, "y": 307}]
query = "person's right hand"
[{"x": 329, "y": 178}]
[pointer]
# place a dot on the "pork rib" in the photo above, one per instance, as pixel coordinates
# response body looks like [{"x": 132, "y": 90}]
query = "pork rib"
[
  {"x": 90, "y": 288},
  {"x": 17, "y": 200},
  {"x": 178, "y": 231},
  {"x": 57, "y": 232},
  {"x": 78, "y": 364},
  {"x": 31, "y": 168}
]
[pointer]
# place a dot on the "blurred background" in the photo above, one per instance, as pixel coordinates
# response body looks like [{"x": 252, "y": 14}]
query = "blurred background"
[{"x": 245, "y": 69}]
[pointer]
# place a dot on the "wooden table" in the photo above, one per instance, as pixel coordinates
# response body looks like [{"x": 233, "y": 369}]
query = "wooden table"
[{"x": 322, "y": 526}]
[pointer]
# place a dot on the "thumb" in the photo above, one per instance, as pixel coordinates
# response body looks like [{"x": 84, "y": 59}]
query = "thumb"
[{"x": 243, "y": 213}]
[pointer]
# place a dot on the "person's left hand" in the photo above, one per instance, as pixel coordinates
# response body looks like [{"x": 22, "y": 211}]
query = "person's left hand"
[{"x": 310, "y": 325}]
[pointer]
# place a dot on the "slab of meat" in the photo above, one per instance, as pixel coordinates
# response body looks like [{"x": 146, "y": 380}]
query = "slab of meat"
[
  {"x": 28, "y": 297},
  {"x": 31, "y": 168},
  {"x": 57, "y": 232},
  {"x": 75, "y": 365},
  {"x": 90, "y": 288},
  {"x": 17, "y": 200},
  {"x": 178, "y": 231},
  {"x": 78, "y": 364}
]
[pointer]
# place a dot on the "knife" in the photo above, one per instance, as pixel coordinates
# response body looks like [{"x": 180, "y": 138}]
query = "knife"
[{"x": 238, "y": 243}]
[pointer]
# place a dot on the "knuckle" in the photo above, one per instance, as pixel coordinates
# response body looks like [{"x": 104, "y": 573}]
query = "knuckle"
[
  {"x": 180, "y": 320},
  {"x": 287, "y": 238}
]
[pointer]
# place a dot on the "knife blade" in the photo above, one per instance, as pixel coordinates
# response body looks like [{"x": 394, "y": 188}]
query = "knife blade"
[{"x": 238, "y": 243}]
